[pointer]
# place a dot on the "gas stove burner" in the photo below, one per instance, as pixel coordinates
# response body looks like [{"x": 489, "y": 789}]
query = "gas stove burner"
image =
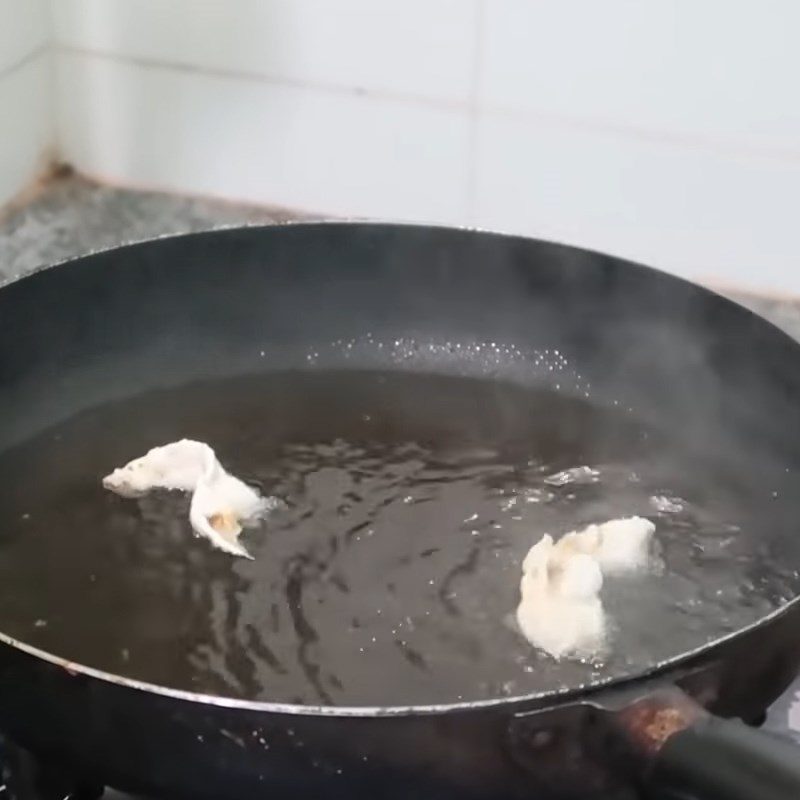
[
  {"x": 25, "y": 777},
  {"x": 28, "y": 778}
]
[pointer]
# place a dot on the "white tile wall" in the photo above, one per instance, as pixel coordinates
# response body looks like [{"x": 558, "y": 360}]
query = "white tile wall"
[
  {"x": 25, "y": 92},
  {"x": 24, "y": 29},
  {"x": 714, "y": 69},
  {"x": 25, "y": 99},
  {"x": 667, "y": 131},
  {"x": 334, "y": 152},
  {"x": 418, "y": 47},
  {"x": 705, "y": 215}
]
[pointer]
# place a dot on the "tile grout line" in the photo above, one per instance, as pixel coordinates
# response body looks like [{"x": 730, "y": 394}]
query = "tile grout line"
[
  {"x": 52, "y": 76},
  {"x": 272, "y": 80},
  {"x": 468, "y": 106},
  {"x": 474, "y": 98},
  {"x": 23, "y": 62}
]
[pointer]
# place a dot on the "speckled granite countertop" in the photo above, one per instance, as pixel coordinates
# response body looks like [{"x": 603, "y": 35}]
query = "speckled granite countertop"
[{"x": 72, "y": 216}]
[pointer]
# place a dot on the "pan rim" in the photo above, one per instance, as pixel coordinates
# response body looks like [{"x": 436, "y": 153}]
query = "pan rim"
[
  {"x": 540, "y": 699},
  {"x": 354, "y": 221}
]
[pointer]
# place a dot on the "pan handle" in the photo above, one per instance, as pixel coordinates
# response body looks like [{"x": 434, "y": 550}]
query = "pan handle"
[
  {"x": 725, "y": 760},
  {"x": 687, "y": 751},
  {"x": 661, "y": 739}
]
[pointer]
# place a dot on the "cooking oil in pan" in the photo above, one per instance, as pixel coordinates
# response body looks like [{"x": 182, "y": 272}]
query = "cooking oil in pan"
[{"x": 390, "y": 571}]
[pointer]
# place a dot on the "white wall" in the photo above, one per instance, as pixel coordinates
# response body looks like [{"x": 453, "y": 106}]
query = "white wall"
[
  {"x": 667, "y": 131},
  {"x": 26, "y": 132},
  {"x": 338, "y": 106}
]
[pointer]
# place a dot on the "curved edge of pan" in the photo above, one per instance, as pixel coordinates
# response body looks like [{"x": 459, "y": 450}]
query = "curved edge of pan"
[{"x": 571, "y": 692}]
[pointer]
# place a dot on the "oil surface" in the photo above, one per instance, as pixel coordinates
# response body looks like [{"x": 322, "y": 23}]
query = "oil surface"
[{"x": 390, "y": 571}]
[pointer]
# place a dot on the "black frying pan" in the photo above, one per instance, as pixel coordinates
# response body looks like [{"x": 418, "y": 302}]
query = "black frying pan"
[{"x": 203, "y": 307}]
